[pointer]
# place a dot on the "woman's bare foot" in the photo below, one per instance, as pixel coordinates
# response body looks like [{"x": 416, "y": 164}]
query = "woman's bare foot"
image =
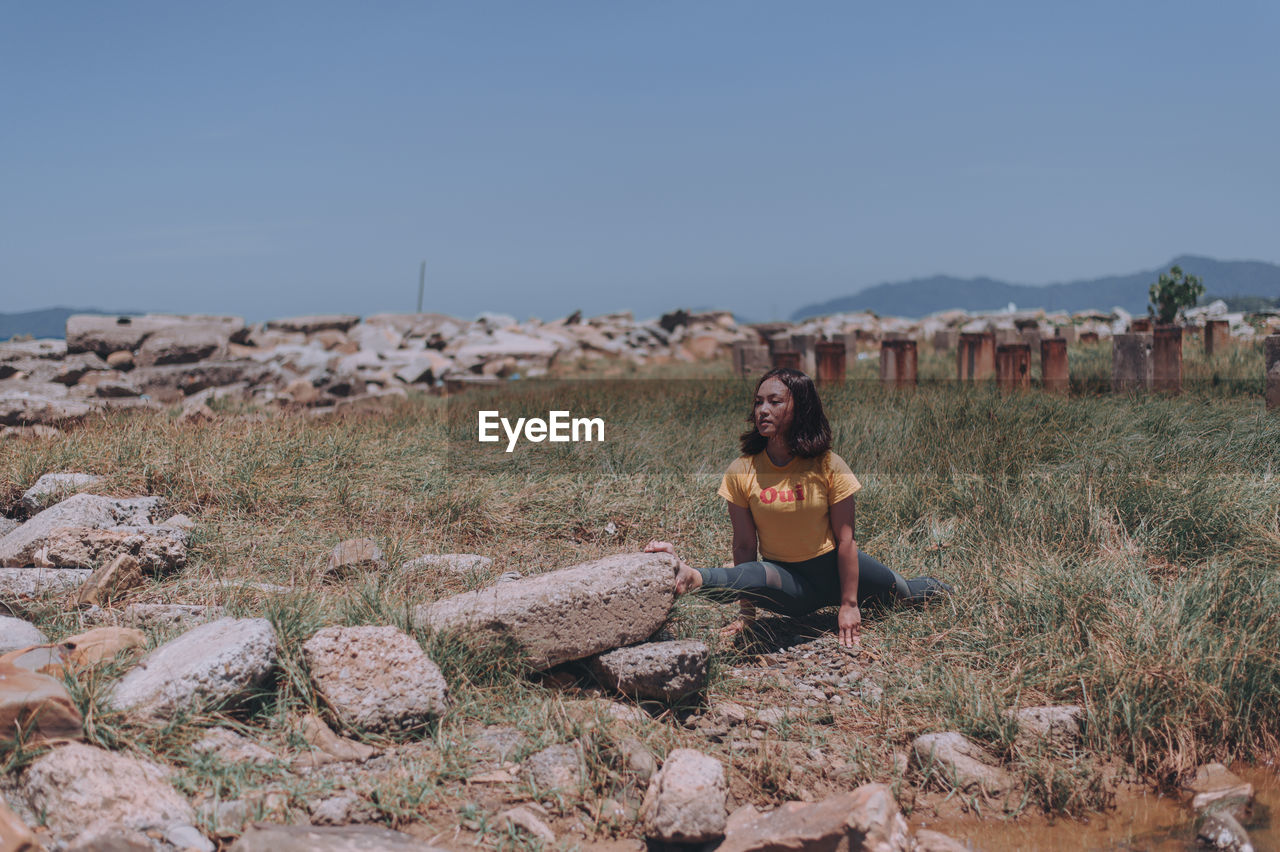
[{"x": 745, "y": 621}]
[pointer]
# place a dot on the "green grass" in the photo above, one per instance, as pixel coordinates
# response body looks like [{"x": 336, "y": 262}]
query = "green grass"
[{"x": 1120, "y": 553}]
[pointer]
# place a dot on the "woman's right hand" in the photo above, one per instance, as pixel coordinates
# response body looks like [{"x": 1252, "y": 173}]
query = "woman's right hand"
[{"x": 660, "y": 547}]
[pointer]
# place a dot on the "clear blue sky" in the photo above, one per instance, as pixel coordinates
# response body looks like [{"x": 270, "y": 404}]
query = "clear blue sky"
[{"x": 274, "y": 158}]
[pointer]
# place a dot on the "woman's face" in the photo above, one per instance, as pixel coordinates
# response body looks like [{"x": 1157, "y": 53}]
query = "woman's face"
[{"x": 772, "y": 411}]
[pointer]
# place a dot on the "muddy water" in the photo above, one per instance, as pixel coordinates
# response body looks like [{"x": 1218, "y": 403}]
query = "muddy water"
[{"x": 1142, "y": 823}]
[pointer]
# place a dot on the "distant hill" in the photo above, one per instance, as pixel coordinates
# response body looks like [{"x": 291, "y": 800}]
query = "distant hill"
[
  {"x": 50, "y": 322},
  {"x": 921, "y": 296}
]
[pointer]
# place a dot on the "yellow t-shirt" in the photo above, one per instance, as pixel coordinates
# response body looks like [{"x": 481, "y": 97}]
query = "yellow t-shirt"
[{"x": 790, "y": 504}]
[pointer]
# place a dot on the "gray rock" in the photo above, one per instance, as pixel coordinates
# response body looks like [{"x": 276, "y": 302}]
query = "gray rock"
[
  {"x": 107, "y": 334},
  {"x": 867, "y": 818},
  {"x": 1220, "y": 830},
  {"x": 169, "y": 616},
  {"x": 636, "y": 759},
  {"x": 375, "y": 678},
  {"x": 559, "y": 767},
  {"x": 19, "y": 547},
  {"x": 314, "y": 323},
  {"x": 453, "y": 563},
  {"x": 1058, "y": 725},
  {"x": 111, "y": 839},
  {"x": 54, "y": 486},
  {"x": 37, "y": 582},
  {"x": 33, "y": 408},
  {"x": 567, "y": 614},
  {"x": 157, "y": 549},
  {"x": 184, "y": 344},
  {"x": 665, "y": 671},
  {"x": 48, "y": 347},
  {"x": 187, "y": 837},
  {"x": 215, "y": 664},
  {"x": 686, "y": 800},
  {"x": 78, "y": 787},
  {"x": 16, "y": 633},
  {"x": 342, "y": 809},
  {"x": 311, "y": 838},
  {"x": 956, "y": 761},
  {"x": 1215, "y": 786},
  {"x": 8, "y": 525},
  {"x": 231, "y": 747}
]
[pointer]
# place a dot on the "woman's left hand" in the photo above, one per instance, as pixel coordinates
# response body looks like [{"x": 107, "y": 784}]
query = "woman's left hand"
[{"x": 849, "y": 623}]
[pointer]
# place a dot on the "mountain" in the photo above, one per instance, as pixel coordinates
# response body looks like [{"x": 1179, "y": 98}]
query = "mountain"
[
  {"x": 921, "y": 296},
  {"x": 50, "y": 322}
]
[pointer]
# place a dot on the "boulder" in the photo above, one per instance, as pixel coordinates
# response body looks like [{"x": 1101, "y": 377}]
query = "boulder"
[
  {"x": 353, "y": 556},
  {"x": 107, "y": 334},
  {"x": 1221, "y": 830},
  {"x": 866, "y": 819},
  {"x": 686, "y": 800},
  {"x": 37, "y": 704},
  {"x": 314, "y": 838},
  {"x": 450, "y": 563},
  {"x": 958, "y": 762},
  {"x": 78, "y": 787},
  {"x": 27, "y": 408},
  {"x": 1059, "y": 726},
  {"x": 17, "y": 583},
  {"x": 567, "y": 614},
  {"x": 53, "y": 487},
  {"x": 213, "y": 665},
  {"x": 1216, "y": 786},
  {"x": 19, "y": 547},
  {"x": 16, "y": 633},
  {"x": 664, "y": 671},
  {"x": 184, "y": 344},
  {"x": 314, "y": 323},
  {"x": 153, "y": 549},
  {"x": 375, "y": 678}
]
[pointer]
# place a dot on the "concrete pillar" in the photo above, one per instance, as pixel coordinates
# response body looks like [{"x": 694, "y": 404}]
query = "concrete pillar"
[
  {"x": 831, "y": 363},
  {"x": 750, "y": 359},
  {"x": 850, "y": 341},
  {"x": 1130, "y": 363},
  {"x": 945, "y": 340},
  {"x": 1166, "y": 359},
  {"x": 1013, "y": 366},
  {"x": 1140, "y": 325},
  {"x": 1271, "y": 347},
  {"x": 976, "y": 356},
  {"x": 1216, "y": 333},
  {"x": 804, "y": 344},
  {"x": 1069, "y": 333},
  {"x": 785, "y": 358},
  {"x": 1031, "y": 337},
  {"x": 898, "y": 363},
  {"x": 1054, "y": 374}
]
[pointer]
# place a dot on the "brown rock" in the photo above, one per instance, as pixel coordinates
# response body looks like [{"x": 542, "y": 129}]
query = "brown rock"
[
  {"x": 193, "y": 414},
  {"x": 328, "y": 747},
  {"x": 35, "y": 704},
  {"x": 314, "y": 323},
  {"x": 1214, "y": 784},
  {"x": 956, "y": 761},
  {"x": 665, "y": 671},
  {"x": 302, "y": 392},
  {"x": 14, "y": 834},
  {"x": 865, "y": 819},
  {"x": 121, "y": 575},
  {"x": 102, "y": 644},
  {"x": 120, "y": 360},
  {"x": 936, "y": 841},
  {"x": 156, "y": 549}
]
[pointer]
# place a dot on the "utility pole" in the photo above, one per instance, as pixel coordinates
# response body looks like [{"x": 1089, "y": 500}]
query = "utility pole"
[{"x": 422, "y": 283}]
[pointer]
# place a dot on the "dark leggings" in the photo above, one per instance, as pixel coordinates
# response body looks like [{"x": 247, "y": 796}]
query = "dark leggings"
[{"x": 798, "y": 588}]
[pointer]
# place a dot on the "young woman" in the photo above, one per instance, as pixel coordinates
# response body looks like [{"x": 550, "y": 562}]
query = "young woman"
[{"x": 791, "y": 503}]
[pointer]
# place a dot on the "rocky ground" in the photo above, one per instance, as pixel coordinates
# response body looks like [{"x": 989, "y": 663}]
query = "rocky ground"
[{"x": 153, "y": 725}]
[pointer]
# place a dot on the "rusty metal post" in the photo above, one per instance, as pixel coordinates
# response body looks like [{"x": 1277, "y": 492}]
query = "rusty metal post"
[
  {"x": 898, "y": 361},
  {"x": 1166, "y": 357},
  {"x": 1271, "y": 346},
  {"x": 1130, "y": 363},
  {"x": 1055, "y": 376},
  {"x": 750, "y": 359},
  {"x": 1013, "y": 366},
  {"x": 1216, "y": 333},
  {"x": 830, "y": 358},
  {"x": 786, "y": 359},
  {"x": 976, "y": 356}
]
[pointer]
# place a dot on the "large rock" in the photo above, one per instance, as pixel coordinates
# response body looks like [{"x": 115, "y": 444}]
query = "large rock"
[
  {"x": 664, "y": 671},
  {"x": 156, "y": 549},
  {"x": 865, "y": 819},
  {"x": 213, "y": 665},
  {"x": 375, "y": 678},
  {"x": 78, "y": 787},
  {"x": 1215, "y": 786},
  {"x": 185, "y": 344},
  {"x": 312, "y": 324},
  {"x": 20, "y": 547},
  {"x": 23, "y": 583},
  {"x": 567, "y": 614},
  {"x": 27, "y": 408},
  {"x": 353, "y": 556},
  {"x": 449, "y": 563},
  {"x": 16, "y": 633},
  {"x": 313, "y": 838},
  {"x": 53, "y": 487},
  {"x": 958, "y": 762},
  {"x": 38, "y": 704},
  {"x": 686, "y": 800},
  {"x": 107, "y": 334}
]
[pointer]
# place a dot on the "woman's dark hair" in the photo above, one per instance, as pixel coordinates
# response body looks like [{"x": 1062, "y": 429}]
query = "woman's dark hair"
[{"x": 810, "y": 433}]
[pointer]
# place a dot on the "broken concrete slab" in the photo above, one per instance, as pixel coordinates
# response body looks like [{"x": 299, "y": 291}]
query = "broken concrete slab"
[{"x": 92, "y": 511}]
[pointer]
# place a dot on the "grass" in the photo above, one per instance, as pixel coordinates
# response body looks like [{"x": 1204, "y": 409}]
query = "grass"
[{"x": 1116, "y": 552}]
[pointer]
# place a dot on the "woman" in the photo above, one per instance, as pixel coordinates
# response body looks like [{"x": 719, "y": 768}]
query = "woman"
[{"x": 791, "y": 504}]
